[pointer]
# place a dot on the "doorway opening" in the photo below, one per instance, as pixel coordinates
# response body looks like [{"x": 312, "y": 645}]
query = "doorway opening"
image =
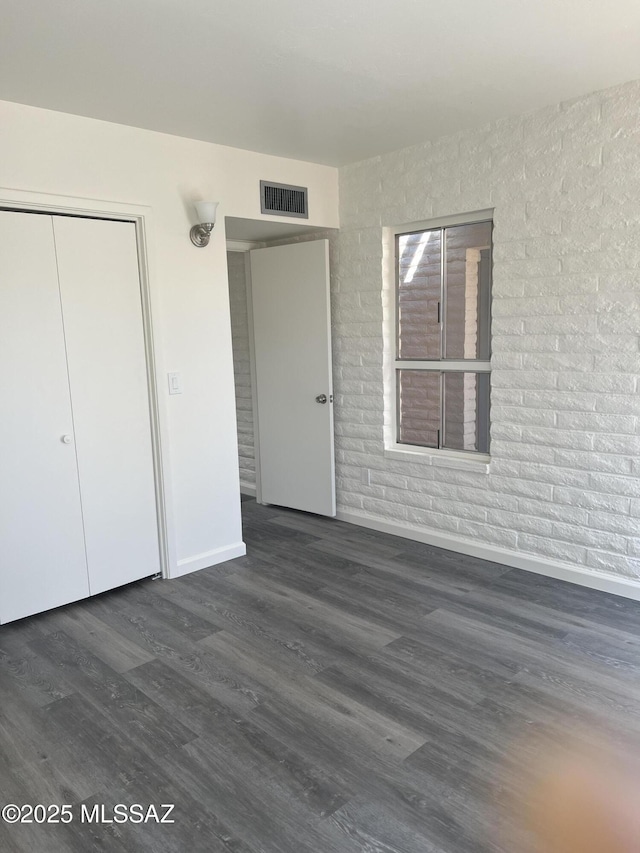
[{"x": 280, "y": 324}]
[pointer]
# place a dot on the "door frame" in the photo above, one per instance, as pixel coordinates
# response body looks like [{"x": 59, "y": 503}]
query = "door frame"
[
  {"x": 141, "y": 216},
  {"x": 244, "y": 247}
]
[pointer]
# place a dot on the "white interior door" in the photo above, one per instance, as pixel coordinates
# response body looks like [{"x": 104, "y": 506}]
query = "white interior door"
[
  {"x": 102, "y": 309},
  {"x": 294, "y": 388},
  {"x": 42, "y": 555}
]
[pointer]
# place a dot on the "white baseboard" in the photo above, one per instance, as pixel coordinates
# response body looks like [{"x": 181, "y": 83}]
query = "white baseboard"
[
  {"x": 209, "y": 558},
  {"x": 247, "y": 489},
  {"x": 625, "y": 587}
]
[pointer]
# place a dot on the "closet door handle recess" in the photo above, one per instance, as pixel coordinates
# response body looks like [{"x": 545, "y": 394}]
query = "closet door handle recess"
[{"x": 66, "y": 439}]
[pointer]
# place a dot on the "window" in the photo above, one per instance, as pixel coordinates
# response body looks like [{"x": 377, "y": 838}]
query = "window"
[{"x": 443, "y": 347}]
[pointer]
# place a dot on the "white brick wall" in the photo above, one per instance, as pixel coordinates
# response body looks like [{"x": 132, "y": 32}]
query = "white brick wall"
[
  {"x": 564, "y": 478},
  {"x": 241, "y": 367}
]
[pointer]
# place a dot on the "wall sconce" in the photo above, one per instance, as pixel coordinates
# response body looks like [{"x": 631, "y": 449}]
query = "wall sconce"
[{"x": 206, "y": 213}]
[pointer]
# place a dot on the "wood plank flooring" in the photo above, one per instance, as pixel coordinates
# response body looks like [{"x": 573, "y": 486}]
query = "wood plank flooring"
[{"x": 337, "y": 690}]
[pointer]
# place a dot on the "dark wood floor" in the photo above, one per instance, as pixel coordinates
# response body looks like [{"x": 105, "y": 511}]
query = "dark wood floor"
[{"x": 336, "y": 691}]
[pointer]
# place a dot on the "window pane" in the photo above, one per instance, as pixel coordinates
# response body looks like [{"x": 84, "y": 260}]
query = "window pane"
[
  {"x": 467, "y": 291},
  {"x": 419, "y": 292},
  {"x": 466, "y": 411},
  {"x": 418, "y": 407}
]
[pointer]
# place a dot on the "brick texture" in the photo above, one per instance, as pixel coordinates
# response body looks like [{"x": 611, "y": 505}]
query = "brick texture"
[
  {"x": 564, "y": 184},
  {"x": 241, "y": 367}
]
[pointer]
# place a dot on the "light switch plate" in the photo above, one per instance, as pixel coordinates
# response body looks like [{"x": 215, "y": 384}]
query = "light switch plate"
[{"x": 175, "y": 383}]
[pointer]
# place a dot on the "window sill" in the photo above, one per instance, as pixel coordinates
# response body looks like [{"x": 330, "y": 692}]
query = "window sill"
[{"x": 439, "y": 458}]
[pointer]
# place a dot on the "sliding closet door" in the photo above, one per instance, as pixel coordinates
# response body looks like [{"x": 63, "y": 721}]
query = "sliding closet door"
[
  {"x": 42, "y": 556},
  {"x": 100, "y": 288}
]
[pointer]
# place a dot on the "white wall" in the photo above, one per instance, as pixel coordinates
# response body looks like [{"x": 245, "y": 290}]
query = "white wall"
[
  {"x": 563, "y": 485},
  {"x": 48, "y": 152}
]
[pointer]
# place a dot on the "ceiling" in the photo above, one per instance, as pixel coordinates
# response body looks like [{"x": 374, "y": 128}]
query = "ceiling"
[
  {"x": 329, "y": 81},
  {"x": 261, "y": 231}
]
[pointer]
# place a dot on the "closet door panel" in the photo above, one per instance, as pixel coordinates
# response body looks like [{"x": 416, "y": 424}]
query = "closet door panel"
[
  {"x": 42, "y": 557},
  {"x": 100, "y": 287}
]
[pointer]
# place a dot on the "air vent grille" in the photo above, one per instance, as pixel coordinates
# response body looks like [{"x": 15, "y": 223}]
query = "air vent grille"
[{"x": 283, "y": 200}]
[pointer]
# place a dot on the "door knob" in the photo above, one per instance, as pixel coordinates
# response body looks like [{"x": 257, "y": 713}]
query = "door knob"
[
  {"x": 66, "y": 439},
  {"x": 321, "y": 398}
]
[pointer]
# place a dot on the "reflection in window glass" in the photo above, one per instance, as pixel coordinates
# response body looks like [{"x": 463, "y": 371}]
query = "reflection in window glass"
[
  {"x": 419, "y": 407},
  {"x": 467, "y": 291},
  {"x": 466, "y": 411},
  {"x": 419, "y": 293}
]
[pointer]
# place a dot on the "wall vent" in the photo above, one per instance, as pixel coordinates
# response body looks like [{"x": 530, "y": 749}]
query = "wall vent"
[{"x": 283, "y": 200}]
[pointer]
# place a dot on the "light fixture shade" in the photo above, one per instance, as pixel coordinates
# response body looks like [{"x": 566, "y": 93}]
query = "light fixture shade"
[{"x": 206, "y": 211}]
